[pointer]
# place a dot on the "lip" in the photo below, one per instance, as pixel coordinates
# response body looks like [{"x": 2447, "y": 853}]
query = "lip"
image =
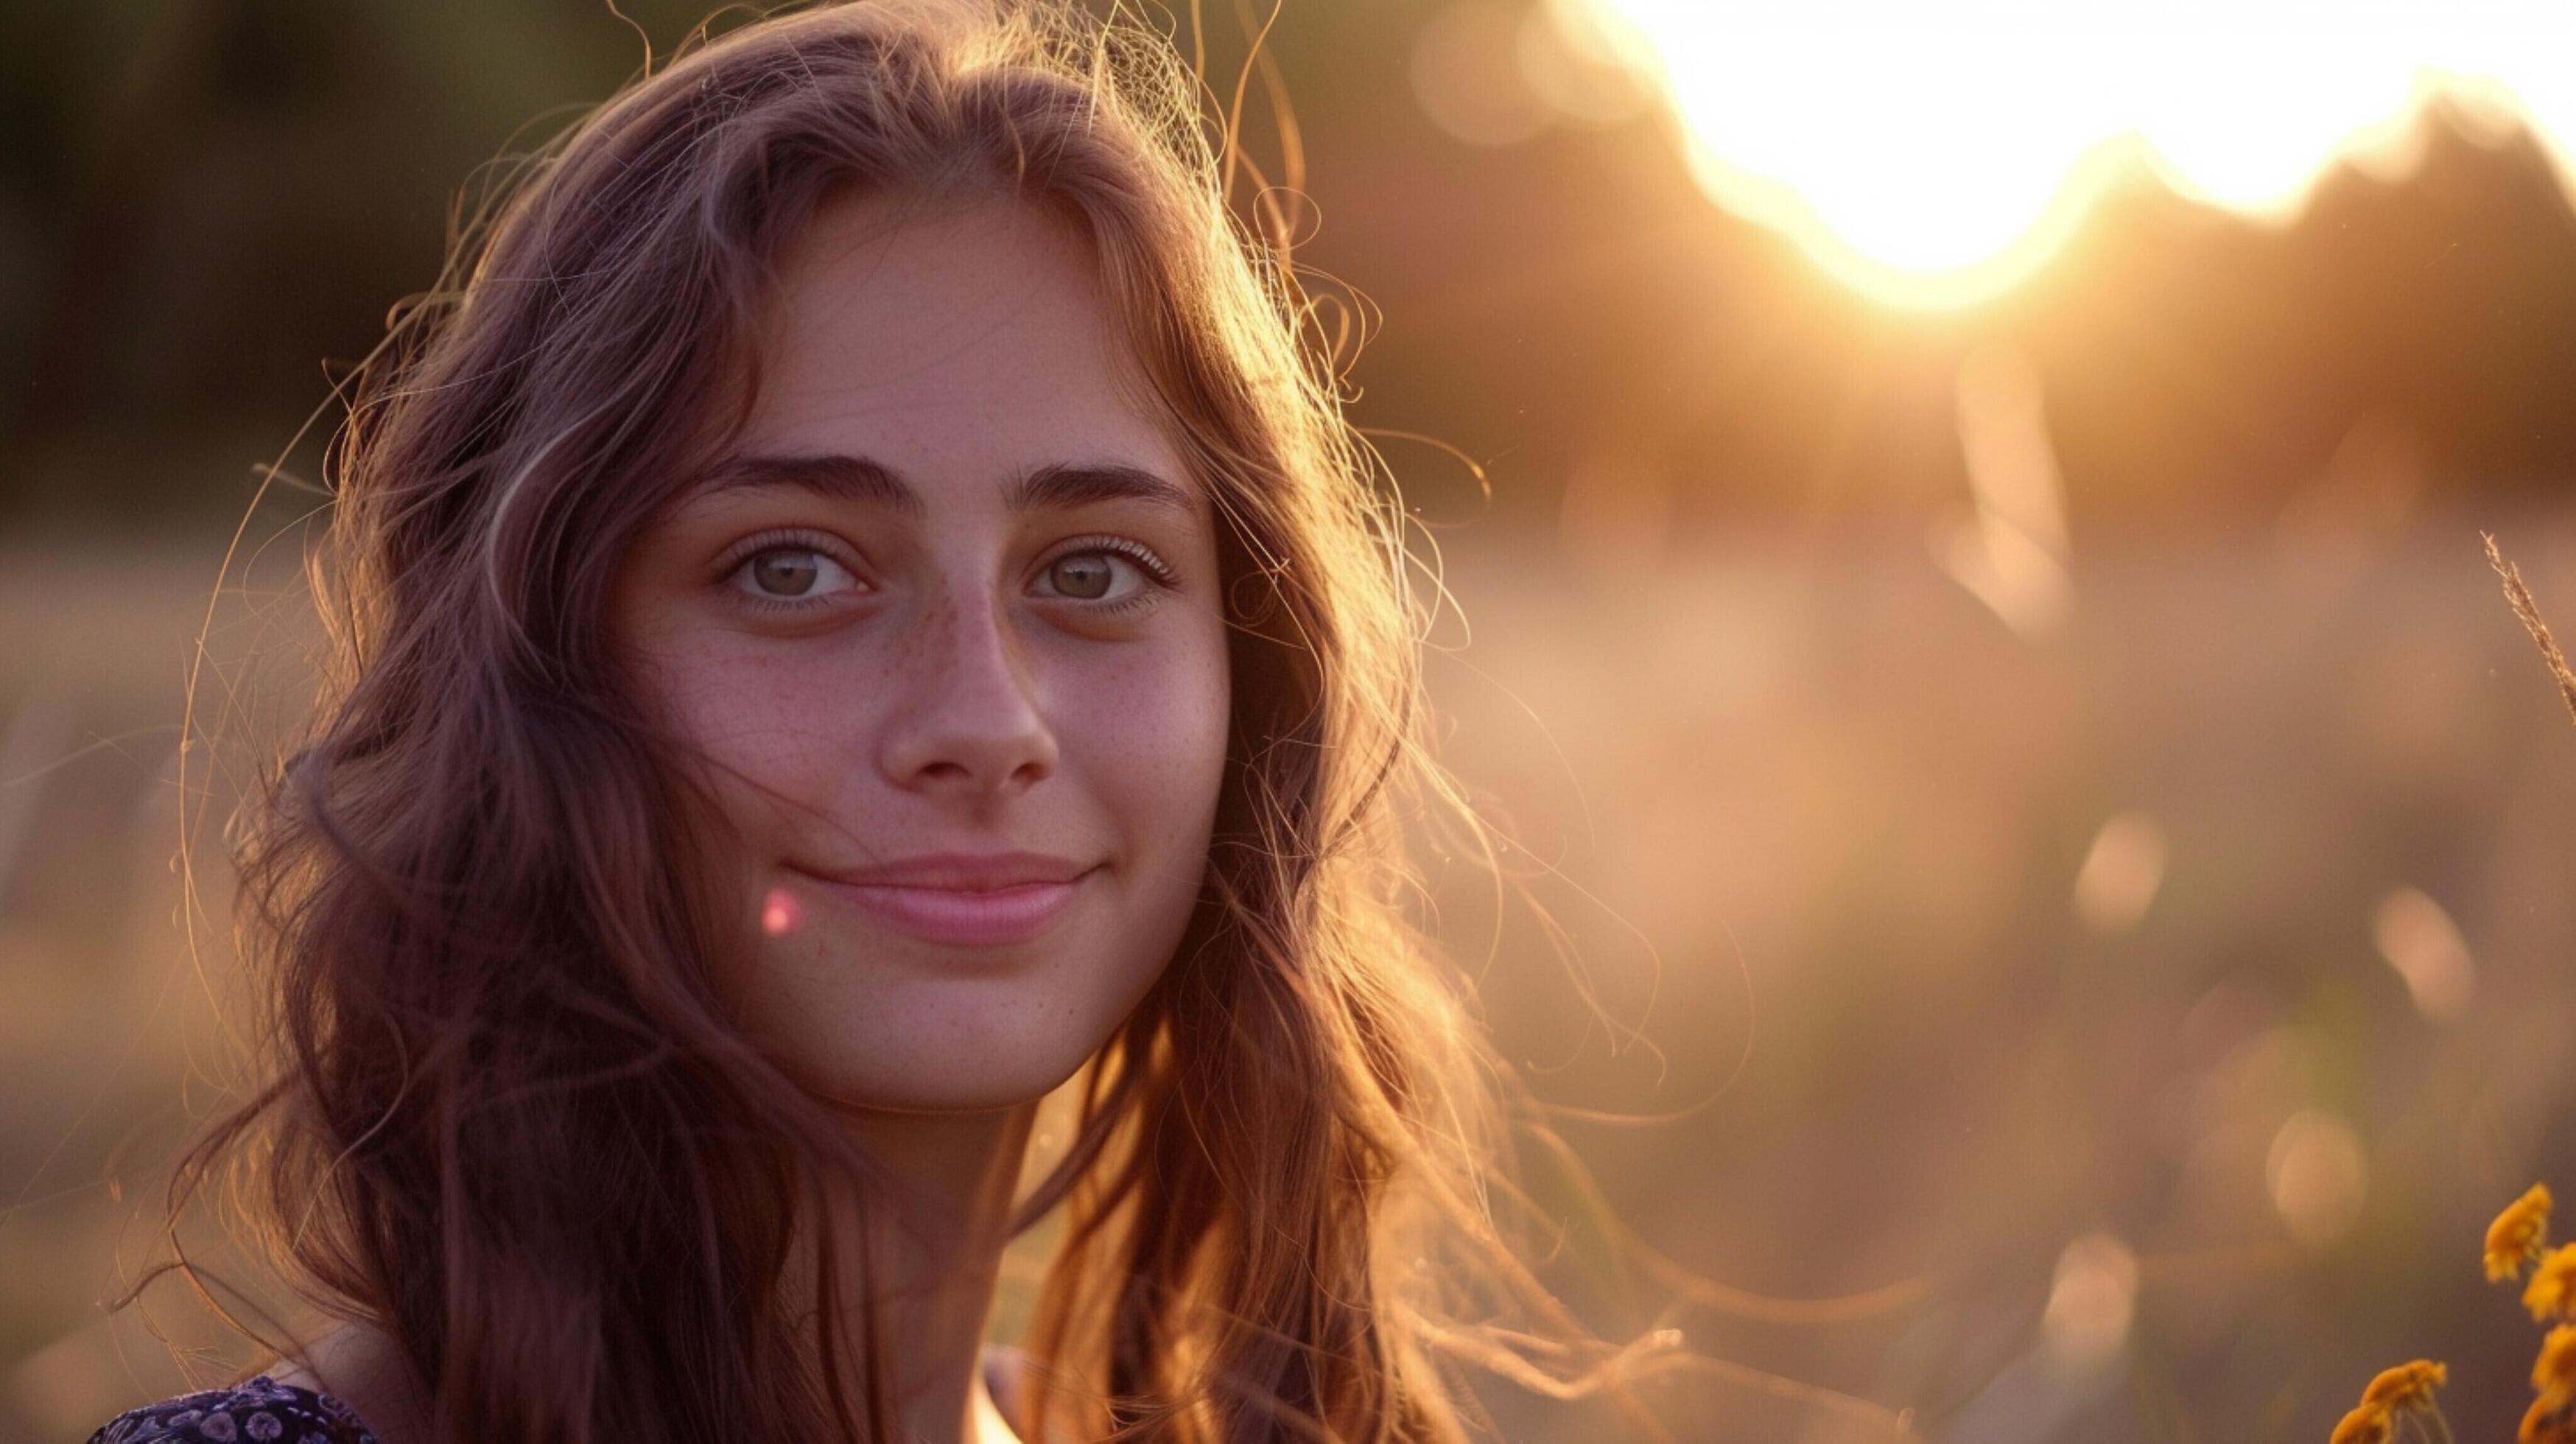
[{"x": 965, "y": 900}]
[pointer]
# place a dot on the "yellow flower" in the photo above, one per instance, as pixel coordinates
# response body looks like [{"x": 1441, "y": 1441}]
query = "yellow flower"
[
  {"x": 2365, "y": 1425},
  {"x": 2518, "y": 1234},
  {"x": 2552, "y": 1419},
  {"x": 2552, "y": 1289},
  {"x": 2556, "y": 1366},
  {"x": 2407, "y": 1386}
]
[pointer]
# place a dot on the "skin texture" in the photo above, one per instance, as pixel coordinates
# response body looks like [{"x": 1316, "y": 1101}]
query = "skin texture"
[
  {"x": 939, "y": 685},
  {"x": 960, "y": 678}
]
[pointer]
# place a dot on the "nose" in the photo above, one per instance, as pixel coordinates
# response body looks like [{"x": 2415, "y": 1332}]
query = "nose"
[{"x": 968, "y": 723}]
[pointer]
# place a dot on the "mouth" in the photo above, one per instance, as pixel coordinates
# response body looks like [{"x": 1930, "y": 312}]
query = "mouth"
[{"x": 962, "y": 917}]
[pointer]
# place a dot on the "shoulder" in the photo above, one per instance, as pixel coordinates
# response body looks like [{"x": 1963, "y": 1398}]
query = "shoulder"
[
  {"x": 256, "y": 1411},
  {"x": 344, "y": 1388}
]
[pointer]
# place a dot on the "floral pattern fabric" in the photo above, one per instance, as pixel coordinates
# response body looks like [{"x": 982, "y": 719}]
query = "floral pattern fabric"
[{"x": 259, "y": 1411}]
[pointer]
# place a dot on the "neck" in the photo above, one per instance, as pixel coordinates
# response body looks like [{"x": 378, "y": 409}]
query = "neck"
[{"x": 954, "y": 1177}]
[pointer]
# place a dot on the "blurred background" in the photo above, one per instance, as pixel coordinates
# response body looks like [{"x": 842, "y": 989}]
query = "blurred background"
[{"x": 2045, "y": 870}]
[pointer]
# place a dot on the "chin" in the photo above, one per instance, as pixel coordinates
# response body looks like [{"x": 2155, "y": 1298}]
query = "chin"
[
  {"x": 886, "y": 1023},
  {"x": 963, "y": 1084},
  {"x": 899, "y": 1041}
]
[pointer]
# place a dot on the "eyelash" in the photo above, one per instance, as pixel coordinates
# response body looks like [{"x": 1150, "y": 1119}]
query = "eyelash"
[
  {"x": 1158, "y": 573},
  {"x": 753, "y": 546}
]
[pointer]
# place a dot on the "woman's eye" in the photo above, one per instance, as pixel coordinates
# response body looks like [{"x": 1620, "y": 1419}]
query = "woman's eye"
[
  {"x": 791, "y": 574},
  {"x": 1092, "y": 575}
]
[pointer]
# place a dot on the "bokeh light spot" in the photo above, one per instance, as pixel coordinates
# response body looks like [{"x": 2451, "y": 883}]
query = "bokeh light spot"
[
  {"x": 2121, "y": 873},
  {"x": 2420, "y": 941},
  {"x": 2092, "y": 1300},
  {"x": 2317, "y": 1173},
  {"x": 1468, "y": 76}
]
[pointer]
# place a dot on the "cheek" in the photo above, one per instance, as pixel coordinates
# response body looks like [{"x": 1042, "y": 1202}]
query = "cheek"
[
  {"x": 1156, "y": 730},
  {"x": 764, "y": 727}
]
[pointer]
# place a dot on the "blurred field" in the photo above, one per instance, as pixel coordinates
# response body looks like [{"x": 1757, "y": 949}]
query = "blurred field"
[
  {"x": 2174, "y": 1152},
  {"x": 2080, "y": 967}
]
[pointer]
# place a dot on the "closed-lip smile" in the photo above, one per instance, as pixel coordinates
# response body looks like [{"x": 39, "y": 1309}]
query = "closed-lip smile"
[{"x": 970, "y": 900}]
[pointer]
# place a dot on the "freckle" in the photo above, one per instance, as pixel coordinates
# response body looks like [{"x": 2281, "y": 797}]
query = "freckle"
[{"x": 779, "y": 912}]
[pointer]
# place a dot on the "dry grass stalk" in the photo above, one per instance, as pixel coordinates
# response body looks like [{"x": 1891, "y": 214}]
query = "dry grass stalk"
[{"x": 2519, "y": 597}]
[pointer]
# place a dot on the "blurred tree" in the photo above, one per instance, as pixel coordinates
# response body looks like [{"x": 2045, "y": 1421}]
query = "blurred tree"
[{"x": 203, "y": 200}]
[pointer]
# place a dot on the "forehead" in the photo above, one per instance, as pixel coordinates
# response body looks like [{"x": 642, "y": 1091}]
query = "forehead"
[{"x": 953, "y": 341}]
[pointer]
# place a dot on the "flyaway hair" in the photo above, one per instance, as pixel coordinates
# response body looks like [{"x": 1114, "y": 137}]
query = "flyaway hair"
[{"x": 513, "y": 1124}]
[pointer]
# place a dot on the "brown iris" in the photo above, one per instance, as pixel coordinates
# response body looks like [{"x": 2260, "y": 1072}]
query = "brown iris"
[
  {"x": 785, "y": 573},
  {"x": 1085, "y": 575}
]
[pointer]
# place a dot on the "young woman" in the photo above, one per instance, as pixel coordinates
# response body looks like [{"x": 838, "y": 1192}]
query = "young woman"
[{"x": 854, "y": 607}]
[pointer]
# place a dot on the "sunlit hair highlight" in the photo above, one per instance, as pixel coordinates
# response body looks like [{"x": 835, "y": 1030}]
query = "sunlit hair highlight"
[{"x": 512, "y": 1124}]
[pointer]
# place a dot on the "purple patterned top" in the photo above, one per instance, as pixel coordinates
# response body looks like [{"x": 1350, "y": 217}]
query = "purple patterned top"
[
  {"x": 263, "y": 1411},
  {"x": 257, "y": 1411}
]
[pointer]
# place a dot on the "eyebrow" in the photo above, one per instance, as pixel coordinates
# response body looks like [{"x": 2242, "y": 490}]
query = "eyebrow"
[{"x": 1057, "y": 486}]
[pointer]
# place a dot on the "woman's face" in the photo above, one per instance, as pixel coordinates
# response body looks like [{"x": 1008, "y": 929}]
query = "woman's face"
[{"x": 947, "y": 626}]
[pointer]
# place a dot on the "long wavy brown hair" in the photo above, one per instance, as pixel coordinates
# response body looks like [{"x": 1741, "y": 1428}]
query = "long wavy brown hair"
[{"x": 511, "y": 1123}]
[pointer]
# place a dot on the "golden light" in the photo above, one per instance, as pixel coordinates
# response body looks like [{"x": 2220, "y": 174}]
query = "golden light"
[{"x": 1934, "y": 152}]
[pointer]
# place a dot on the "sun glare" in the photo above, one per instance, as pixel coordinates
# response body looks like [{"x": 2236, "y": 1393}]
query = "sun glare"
[{"x": 1932, "y": 154}]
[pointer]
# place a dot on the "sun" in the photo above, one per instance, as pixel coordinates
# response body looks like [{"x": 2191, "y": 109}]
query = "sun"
[{"x": 1932, "y": 153}]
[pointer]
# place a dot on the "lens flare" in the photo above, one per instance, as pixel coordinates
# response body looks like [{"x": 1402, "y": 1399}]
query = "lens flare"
[
  {"x": 1932, "y": 155},
  {"x": 780, "y": 913}
]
